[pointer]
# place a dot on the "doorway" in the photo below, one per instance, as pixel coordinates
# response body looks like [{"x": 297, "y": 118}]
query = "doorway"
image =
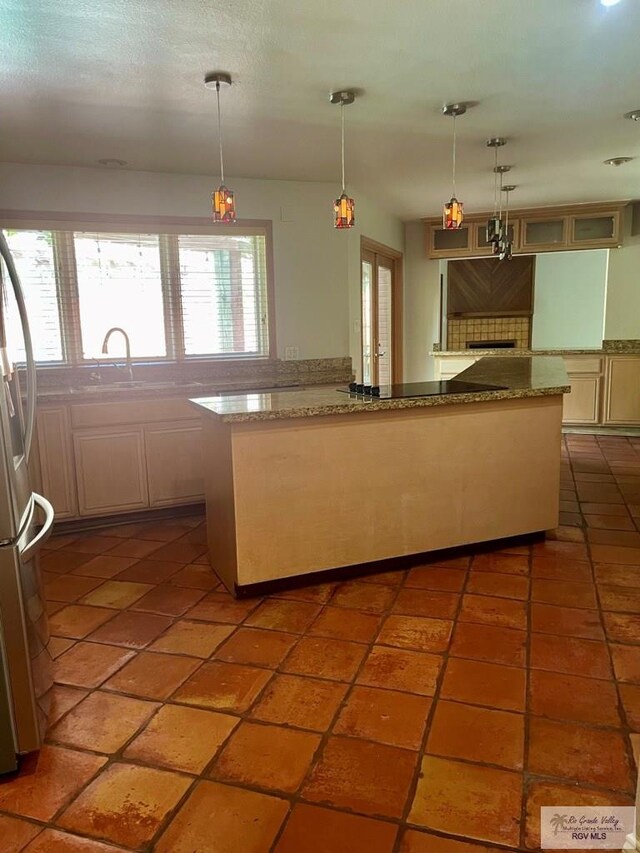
[{"x": 381, "y": 321}]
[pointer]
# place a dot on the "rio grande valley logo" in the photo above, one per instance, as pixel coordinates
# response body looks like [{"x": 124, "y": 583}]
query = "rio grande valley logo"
[{"x": 586, "y": 827}]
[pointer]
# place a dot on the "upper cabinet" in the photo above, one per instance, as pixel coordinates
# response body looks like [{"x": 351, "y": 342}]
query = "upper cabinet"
[{"x": 587, "y": 226}]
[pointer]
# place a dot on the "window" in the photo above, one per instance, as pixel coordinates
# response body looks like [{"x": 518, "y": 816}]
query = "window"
[{"x": 178, "y": 296}]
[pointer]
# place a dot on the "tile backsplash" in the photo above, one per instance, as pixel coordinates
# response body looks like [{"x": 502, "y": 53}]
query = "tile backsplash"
[{"x": 463, "y": 330}]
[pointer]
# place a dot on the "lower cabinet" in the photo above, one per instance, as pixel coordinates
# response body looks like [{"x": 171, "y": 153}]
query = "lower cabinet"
[
  {"x": 57, "y": 470},
  {"x": 622, "y": 400},
  {"x": 110, "y": 470},
  {"x": 582, "y": 405},
  {"x": 174, "y": 463}
]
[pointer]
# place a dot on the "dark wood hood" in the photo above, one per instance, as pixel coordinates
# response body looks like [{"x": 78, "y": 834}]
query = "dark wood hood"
[{"x": 489, "y": 287}]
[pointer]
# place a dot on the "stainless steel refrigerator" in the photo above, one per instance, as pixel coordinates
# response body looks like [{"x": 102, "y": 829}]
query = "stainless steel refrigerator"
[{"x": 26, "y": 520}]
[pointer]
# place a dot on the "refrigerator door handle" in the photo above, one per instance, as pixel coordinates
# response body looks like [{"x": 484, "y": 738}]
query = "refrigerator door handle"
[
  {"x": 28, "y": 552},
  {"x": 30, "y": 419}
]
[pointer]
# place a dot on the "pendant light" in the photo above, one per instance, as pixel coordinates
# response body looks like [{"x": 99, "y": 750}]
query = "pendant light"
[
  {"x": 506, "y": 248},
  {"x": 501, "y": 232},
  {"x": 344, "y": 206},
  {"x": 453, "y": 210},
  {"x": 222, "y": 200},
  {"x": 494, "y": 223}
]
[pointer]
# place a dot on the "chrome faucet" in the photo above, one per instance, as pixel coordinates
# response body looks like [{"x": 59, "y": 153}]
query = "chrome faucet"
[{"x": 105, "y": 347}]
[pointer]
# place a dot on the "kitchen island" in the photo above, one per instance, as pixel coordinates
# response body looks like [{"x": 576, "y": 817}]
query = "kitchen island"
[{"x": 300, "y": 482}]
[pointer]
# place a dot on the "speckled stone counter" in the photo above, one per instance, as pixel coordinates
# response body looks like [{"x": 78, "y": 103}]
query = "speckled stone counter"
[
  {"x": 536, "y": 376},
  {"x": 306, "y": 482},
  {"x": 610, "y": 347}
]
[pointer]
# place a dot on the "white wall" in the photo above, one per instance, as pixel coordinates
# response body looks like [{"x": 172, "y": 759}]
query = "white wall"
[
  {"x": 421, "y": 306},
  {"x": 317, "y": 269},
  {"x": 622, "y": 317},
  {"x": 569, "y": 299}
]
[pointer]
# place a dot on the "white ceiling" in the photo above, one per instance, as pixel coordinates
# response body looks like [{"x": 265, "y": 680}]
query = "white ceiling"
[{"x": 82, "y": 80}]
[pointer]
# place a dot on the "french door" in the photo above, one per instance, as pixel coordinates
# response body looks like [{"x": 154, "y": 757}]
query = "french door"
[{"x": 381, "y": 314}]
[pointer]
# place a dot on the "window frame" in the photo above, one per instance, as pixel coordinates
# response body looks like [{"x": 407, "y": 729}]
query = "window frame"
[{"x": 62, "y": 226}]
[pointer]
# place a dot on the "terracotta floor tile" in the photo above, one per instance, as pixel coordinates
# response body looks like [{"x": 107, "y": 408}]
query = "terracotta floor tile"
[
  {"x": 58, "y": 646},
  {"x": 571, "y": 655},
  {"x": 414, "y": 841},
  {"x": 318, "y": 594},
  {"x": 622, "y": 538},
  {"x": 132, "y": 630},
  {"x": 599, "y": 493},
  {"x": 243, "y": 821},
  {"x": 569, "y": 621},
  {"x": 510, "y": 564},
  {"x": 63, "y": 699},
  {"x": 571, "y": 751},
  {"x": 93, "y": 544},
  {"x": 222, "y": 607},
  {"x": 168, "y": 600},
  {"x": 469, "y": 800},
  {"x": 196, "y": 577},
  {"x": 125, "y": 804},
  {"x": 163, "y": 532},
  {"x": 477, "y": 734},
  {"x": 149, "y": 571},
  {"x": 198, "y": 639},
  {"x": 47, "y": 780},
  {"x": 416, "y": 632},
  {"x": 152, "y": 676},
  {"x": 619, "y": 599},
  {"x": 70, "y": 587},
  {"x": 482, "y": 683},
  {"x": 630, "y": 696},
  {"x": 257, "y": 647},
  {"x": 626, "y": 663},
  {"x": 394, "y": 577},
  {"x": 16, "y": 833},
  {"x": 55, "y": 841},
  {"x": 557, "y": 793},
  {"x": 266, "y": 756},
  {"x": 373, "y": 598},
  {"x": 53, "y": 606},
  {"x": 104, "y": 566},
  {"x": 610, "y": 522},
  {"x": 564, "y": 593},
  {"x": 561, "y": 696},
  {"x": 503, "y": 586},
  {"x": 490, "y": 643},
  {"x": 78, "y": 620},
  {"x": 292, "y": 616},
  {"x": 344, "y": 624},
  {"x": 303, "y": 702},
  {"x": 181, "y": 738},
  {"x": 369, "y": 778},
  {"x": 102, "y": 722},
  {"x": 386, "y": 716},
  {"x": 134, "y": 548},
  {"x": 178, "y": 552},
  {"x": 128, "y": 530},
  {"x": 223, "y": 686},
  {"x": 399, "y": 669},
  {"x": 568, "y": 550},
  {"x": 61, "y": 540},
  {"x": 489, "y": 610},
  {"x": 316, "y": 830},
  {"x": 436, "y": 577},
  {"x": 622, "y": 627},
  {"x": 557, "y": 567},
  {"x": 423, "y": 602},
  {"x": 615, "y": 554},
  {"x": 608, "y": 573},
  {"x": 89, "y": 664},
  {"x": 438, "y": 559},
  {"x": 62, "y": 562},
  {"x": 604, "y": 509},
  {"x": 116, "y": 594},
  {"x": 324, "y": 658}
]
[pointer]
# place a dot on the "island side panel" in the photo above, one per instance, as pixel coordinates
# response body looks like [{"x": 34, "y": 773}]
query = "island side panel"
[
  {"x": 324, "y": 492},
  {"x": 221, "y": 522}
]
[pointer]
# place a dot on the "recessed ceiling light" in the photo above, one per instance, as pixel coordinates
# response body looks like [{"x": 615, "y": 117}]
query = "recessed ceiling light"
[
  {"x": 112, "y": 163},
  {"x": 634, "y": 115},
  {"x": 609, "y": 2},
  {"x": 618, "y": 161}
]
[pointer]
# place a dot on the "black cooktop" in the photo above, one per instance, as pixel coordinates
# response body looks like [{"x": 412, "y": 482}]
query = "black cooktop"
[{"x": 418, "y": 389}]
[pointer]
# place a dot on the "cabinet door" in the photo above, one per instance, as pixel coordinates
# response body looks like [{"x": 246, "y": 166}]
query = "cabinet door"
[
  {"x": 544, "y": 233},
  {"x": 582, "y": 405},
  {"x": 57, "y": 473},
  {"x": 480, "y": 245},
  {"x": 174, "y": 463},
  {"x": 111, "y": 471},
  {"x": 623, "y": 390},
  {"x": 443, "y": 243},
  {"x": 588, "y": 231}
]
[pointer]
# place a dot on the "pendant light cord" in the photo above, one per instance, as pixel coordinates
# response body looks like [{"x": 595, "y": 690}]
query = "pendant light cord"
[
  {"x": 500, "y": 205},
  {"x": 342, "y": 149},
  {"x": 220, "y": 132},
  {"x": 454, "y": 155},
  {"x": 495, "y": 182}
]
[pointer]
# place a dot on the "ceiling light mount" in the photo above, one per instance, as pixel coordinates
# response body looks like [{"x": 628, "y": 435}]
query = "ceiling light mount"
[
  {"x": 617, "y": 161},
  {"x": 342, "y": 96},
  {"x": 509, "y": 188},
  {"x": 502, "y": 170},
  {"x": 496, "y": 142},
  {"x": 217, "y": 79},
  {"x": 634, "y": 115},
  {"x": 457, "y": 109}
]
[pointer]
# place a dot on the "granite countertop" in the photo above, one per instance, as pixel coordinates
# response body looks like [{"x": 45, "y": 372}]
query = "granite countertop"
[
  {"x": 630, "y": 347},
  {"x": 536, "y": 376}
]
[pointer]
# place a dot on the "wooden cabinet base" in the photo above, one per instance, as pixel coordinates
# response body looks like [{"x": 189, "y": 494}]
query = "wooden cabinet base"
[{"x": 292, "y": 497}]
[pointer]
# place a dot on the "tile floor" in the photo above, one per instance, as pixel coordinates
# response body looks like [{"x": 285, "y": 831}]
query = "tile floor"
[{"x": 423, "y": 711}]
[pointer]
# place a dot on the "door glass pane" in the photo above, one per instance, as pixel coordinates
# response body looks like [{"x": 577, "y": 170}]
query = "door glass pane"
[
  {"x": 367, "y": 332},
  {"x": 385, "y": 325},
  {"x": 119, "y": 284}
]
